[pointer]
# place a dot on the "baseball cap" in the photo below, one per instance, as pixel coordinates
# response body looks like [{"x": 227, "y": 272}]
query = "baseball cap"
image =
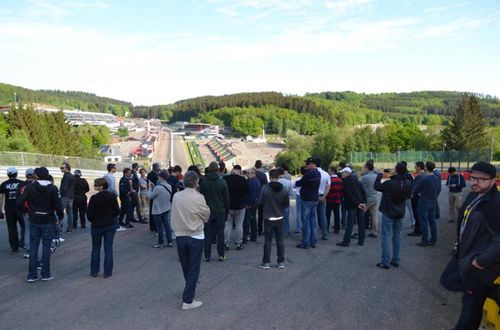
[
  {"x": 30, "y": 172},
  {"x": 346, "y": 169},
  {"x": 309, "y": 160},
  {"x": 484, "y": 167},
  {"x": 11, "y": 170},
  {"x": 163, "y": 175}
]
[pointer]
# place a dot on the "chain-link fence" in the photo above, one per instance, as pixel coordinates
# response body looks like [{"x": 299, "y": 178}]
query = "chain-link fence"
[
  {"x": 462, "y": 160},
  {"x": 34, "y": 160}
]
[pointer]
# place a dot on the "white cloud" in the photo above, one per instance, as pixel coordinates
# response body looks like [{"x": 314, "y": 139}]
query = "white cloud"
[{"x": 57, "y": 9}]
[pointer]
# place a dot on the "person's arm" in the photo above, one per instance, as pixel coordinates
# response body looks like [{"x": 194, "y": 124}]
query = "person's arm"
[
  {"x": 491, "y": 256},
  {"x": 153, "y": 193},
  {"x": 203, "y": 209},
  {"x": 261, "y": 197},
  {"x": 116, "y": 208},
  {"x": 378, "y": 185},
  {"x": 2, "y": 198},
  {"x": 91, "y": 209},
  {"x": 225, "y": 196},
  {"x": 86, "y": 184},
  {"x": 462, "y": 183},
  {"x": 57, "y": 204}
]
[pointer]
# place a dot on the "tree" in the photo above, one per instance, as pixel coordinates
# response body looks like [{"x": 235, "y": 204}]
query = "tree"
[
  {"x": 122, "y": 132},
  {"x": 467, "y": 128}
]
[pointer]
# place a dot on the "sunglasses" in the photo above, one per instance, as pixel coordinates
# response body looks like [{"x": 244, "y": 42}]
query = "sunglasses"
[{"x": 479, "y": 179}]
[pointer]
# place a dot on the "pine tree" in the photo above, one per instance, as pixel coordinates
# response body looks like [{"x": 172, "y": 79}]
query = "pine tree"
[{"x": 467, "y": 128}]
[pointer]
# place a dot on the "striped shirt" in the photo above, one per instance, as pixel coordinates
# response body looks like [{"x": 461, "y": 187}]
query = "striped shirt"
[{"x": 335, "y": 194}]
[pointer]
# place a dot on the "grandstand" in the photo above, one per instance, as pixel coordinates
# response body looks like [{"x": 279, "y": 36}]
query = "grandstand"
[{"x": 220, "y": 150}]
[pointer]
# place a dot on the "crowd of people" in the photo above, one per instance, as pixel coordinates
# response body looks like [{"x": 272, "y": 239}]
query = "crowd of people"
[{"x": 233, "y": 209}]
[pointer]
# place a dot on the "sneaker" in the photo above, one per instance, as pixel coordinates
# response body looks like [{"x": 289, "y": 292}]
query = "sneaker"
[
  {"x": 381, "y": 265},
  {"x": 26, "y": 255},
  {"x": 93, "y": 275},
  {"x": 226, "y": 247},
  {"x": 143, "y": 221},
  {"x": 134, "y": 220},
  {"x": 121, "y": 228},
  {"x": 424, "y": 244},
  {"x": 372, "y": 235},
  {"x": 343, "y": 244},
  {"x": 31, "y": 280},
  {"x": 265, "y": 266},
  {"x": 129, "y": 225},
  {"x": 170, "y": 245},
  {"x": 106, "y": 275},
  {"x": 302, "y": 246},
  {"x": 394, "y": 264},
  {"x": 281, "y": 265},
  {"x": 68, "y": 230},
  {"x": 239, "y": 247},
  {"x": 222, "y": 258},
  {"x": 159, "y": 246},
  {"x": 39, "y": 267},
  {"x": 50, "y": 278},
  {"x": 61, "y": 240},
  {"x": 415, "y": 234},
  {"x": 192, "y": 305}
]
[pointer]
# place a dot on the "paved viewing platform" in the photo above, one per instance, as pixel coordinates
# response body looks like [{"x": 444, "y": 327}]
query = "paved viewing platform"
[{"x": 329, "y": 287}]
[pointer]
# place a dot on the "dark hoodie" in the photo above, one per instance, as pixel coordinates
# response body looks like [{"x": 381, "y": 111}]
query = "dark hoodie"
[
  {"x": 216, "y": 194},
  {"x": 274, "y": 199},
  {"x": 43, "y": 202},
  {"x": 103, "y": 210}
]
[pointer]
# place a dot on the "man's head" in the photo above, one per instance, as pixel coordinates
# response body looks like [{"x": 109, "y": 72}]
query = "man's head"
[
  {"x": 30, "y": 174},
  {"x": 452, "y": 170},
  {"x": 430, "y": 166},
  {"x": 251, "y": 173},
  {"x": 177, "y": 170},
  {"x": 369, "y": 166},
  {"x": 12, "y": 172},
  {"x": 419, "y": 167},
  {"x": 281, "y": 171},
  {"x": 213, "y": 167},
  {"x": 258, "y": 164},
  {"x": 482, "y": 177},
  {"x": 401, "y": 168},
  {"x": 127, "y": 171},
  {"x": 78, "y": 173},
  {"x": 100, "y": 184},
  {"x": 42, "y": 173},
  {"x": 311, "y": 163},
  {"x": 142, "y": 172},
  {"x": 284, "y": 167},
  {"x": 222, "y": 167},
  {"x": 345, "y": 172},
  {"x": 194, "y": 168},
  {"x": 274, "y": 175},
  {"x": 342, "y": 165},
  {"x": 332, "y": 170},
  {"x": 65, "y": 167},
  {"x": 111, "y": 168},
  {"x": 163, "y": 175},
  {"x": 191, "y": 179},
  {"x": 236, "y": 170},
  {"x": 156, "y": 167},
  {"x": 135, "y": 166}
]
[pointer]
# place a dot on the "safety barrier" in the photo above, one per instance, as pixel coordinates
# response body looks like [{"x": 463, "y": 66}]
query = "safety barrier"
[{"x": 492, "y": 311}]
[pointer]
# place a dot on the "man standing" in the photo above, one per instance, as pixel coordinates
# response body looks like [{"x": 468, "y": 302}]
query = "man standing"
[
  {"x": 324, "y": 187},
  {"x": 189, "y": 213},
  {"x": 309, "y": 187},
  {"x": 420, "y": 173},
  {"x": 288, "y": 187},
  {"x": 161, "y": 194},
  {"x": 455, "y": 183},
  {"x": 134, "y": 195},
  {"x": 110, "y": 178},
  {"x": 476, "y": 262},
  {"x": 274, "y": 200},
  {"x": 262, "y": 177},
  {"x": 9, "y": 190},
  {"x": 44, "y": 203},
  {"x": 395, "y": 191},
  {"x": 367, "y": 181},
  {"x": 355, "y": 202},
  {"x": 126, "y": 204},
  {"x": 216, "y": 194},
  {"x": 152, "y": 177},
  {"x": 250, "y": 223},
  {"x": 238, "y": 197},
  {"x": 428, "y": 189},
  {"x": 80, "y": 199},
  {"x": 66, "y": 190},
  {"x": 333, "y": 200}
]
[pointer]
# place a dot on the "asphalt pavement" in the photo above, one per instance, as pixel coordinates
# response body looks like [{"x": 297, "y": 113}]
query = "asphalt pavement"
[{"x": 328, "y": 287}]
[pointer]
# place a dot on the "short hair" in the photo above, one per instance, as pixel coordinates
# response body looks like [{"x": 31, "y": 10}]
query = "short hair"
[
  {"x": 110, "y": 166},
  {"x": 420, "y": 165},
  {"x": 101, "y": 182},
  {"x": 237, "y": 167},
  {"x": 126, "y": 170},
  {"x": 303, "y": 170},
  {"x": 401, "y": 168},
  {"x": 274, "y": 173},
  {"x": 142, "y": 170},
  {"x": 134, "y": 166},
  {"x": 258, "y": 163},
  {"x": 333, "y": 169},
  {"x": 156, "y": 166},
  {"x": 194, "y": 168},
  {"x": 191, "y": 179},
  {"x": 280, "y": 170},
  {"x": 67, "y": 165},
  {"x": 12, "y": 175},
  {"x": 42, "y": 173},
  {"x": 369, "y": 165},
  {"x": 452, "y": 169},
  {"x": 177, "y": 168},
  {"x": 342, "y": 164},
  {"x": 213, "y": 167},
  {"x": 252, "y": 170},
  {"x": 317, "y": 161},
  {"x": 284, "y": 167},
  {"x": 430, "y": 166}
]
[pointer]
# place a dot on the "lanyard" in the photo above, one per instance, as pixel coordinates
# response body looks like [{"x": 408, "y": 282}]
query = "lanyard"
[{"x": 467, "y": 213}]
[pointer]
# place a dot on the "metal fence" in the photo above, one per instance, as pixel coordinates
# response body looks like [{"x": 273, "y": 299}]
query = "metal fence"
[
  {"x": 24, "y": 159},
  {"x": 462, "y": 160}
]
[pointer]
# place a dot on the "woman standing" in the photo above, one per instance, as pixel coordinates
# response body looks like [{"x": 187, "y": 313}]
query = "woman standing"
[{"x": 102, "y": 213}]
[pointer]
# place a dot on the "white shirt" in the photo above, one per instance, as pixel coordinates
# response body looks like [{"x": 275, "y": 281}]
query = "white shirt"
[{"x": 325, "y": 181}]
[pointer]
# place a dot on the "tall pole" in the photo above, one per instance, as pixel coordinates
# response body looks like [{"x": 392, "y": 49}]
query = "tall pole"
[{"x": 492, "y": 148}]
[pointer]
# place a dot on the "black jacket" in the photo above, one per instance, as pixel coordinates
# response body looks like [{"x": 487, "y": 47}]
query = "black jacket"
[
  {"x": 394, "y": 194},
  {"x": 262, "y": 177},
  {"x": 238, "y": 191},
  {"x": 103, "y": 210},
  {"x": 43, "y": 202},
  {"x": 481, "y": 237},
  {"x": 354, "y": 193},
  {"x": 274, "y": 199},
  {"x": 81, "y": 188},
  {"x": 125, "y": 187},
  {"x": 309, "y": 185},
  {"x": 67, "y": 185}
]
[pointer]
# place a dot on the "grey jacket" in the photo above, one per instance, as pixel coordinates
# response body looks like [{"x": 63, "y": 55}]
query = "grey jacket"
[
  {"x": 368, "y": 180},
  {"x": 274, "y": 199},
  {"x": 161, "y": 195}
]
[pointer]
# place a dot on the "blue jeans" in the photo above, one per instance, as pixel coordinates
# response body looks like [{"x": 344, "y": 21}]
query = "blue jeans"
[
  {"x": 298, "y": 213},
  {"x": 352, "y": 216},
  {"x": 189, "y": 250},
  {"x": 95, "y": 258},
  {"x": 391, "y": 228},
  {"x": 44, "y": 233},
  {"x": 214, "y": 232},
  {"x": 343, "y": 214},
  {"x": 427, "y": 217},
  {"x": 322, "y": 219},
  {"x": 309, "y": 223},
  {"x": 162, "y": 223},
  {"x": 67, "y": 205}
]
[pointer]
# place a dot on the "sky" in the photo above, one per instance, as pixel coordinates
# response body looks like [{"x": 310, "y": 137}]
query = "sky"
[{"x": 158, "y": 52}]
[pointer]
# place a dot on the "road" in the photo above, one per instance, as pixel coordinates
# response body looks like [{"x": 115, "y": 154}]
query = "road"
[
  {"x": 162, "y": 153},
  {"x": 324, "y": 288}
]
